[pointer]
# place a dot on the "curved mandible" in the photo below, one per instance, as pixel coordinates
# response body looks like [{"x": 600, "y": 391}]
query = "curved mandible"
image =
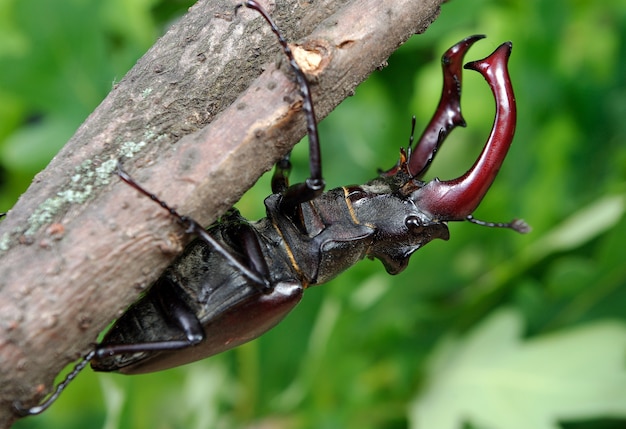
[
  {"x": 417, "y": 159},
  {"x": 448, "y": 114},
  {"x": 457, "y": 199}
]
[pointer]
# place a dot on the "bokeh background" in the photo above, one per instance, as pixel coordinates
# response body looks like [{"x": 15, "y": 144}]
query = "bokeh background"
[{"x": 491, "y": 330}]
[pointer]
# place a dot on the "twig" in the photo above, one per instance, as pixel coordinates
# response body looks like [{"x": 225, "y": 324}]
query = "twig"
[{"x": 196, "y": 122}]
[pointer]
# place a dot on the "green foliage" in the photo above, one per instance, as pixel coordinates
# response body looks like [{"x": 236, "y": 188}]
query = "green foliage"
[
  {"x": 491, "y": 375},
  {"x": 422, "y": 349}
]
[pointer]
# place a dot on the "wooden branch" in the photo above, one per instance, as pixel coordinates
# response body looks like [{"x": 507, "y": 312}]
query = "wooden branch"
[{"x": 199, "y": 118}]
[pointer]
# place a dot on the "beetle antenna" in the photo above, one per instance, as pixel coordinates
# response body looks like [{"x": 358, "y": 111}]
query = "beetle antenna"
[
  {"x": 518, "y": 225},
  {"x": 43, "y": 406}
]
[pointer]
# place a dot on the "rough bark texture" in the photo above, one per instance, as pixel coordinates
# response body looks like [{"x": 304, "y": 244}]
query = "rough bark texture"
[{"x": 198, "y": 119}]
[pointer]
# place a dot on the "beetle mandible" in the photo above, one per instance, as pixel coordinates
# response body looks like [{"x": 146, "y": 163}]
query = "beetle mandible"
[{"x": 238, "y": 279}]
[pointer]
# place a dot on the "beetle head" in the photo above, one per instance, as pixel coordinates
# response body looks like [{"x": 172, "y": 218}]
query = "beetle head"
[{"x": 401, "y": 227}]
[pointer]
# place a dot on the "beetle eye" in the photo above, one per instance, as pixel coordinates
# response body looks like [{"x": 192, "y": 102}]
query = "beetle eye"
[{"x": 414, "y": 223}]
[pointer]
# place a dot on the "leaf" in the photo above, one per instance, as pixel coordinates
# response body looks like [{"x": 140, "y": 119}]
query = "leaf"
[
  {"x": 496, "y": 380},
  {"x": 582, "y": 226},
  {"x": 30, "y": 147}
]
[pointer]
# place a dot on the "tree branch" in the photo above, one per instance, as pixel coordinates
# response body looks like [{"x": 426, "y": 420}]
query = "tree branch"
[{"x": 199, "y": 118}]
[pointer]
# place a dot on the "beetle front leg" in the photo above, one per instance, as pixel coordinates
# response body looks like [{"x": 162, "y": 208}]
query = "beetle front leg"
[{"x": 314, "y": 185}]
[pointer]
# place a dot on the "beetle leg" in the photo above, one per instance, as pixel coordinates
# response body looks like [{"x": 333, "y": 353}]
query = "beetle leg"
[
  {"x": 314, "y": 185},
  {"x": 457, "y": 199},
  {"x": 19, "y": 409},
  {"x": 177, "y": 312},
  {"x": 245, "y": 235},
  {"x": 448, "y": 114},
  {"x": 194, "y": 227}
]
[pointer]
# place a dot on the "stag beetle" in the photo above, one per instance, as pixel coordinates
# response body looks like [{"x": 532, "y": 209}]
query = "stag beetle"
[{"x": 238, "y": 278}]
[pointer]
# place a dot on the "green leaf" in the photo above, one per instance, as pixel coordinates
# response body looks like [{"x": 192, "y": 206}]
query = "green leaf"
[
  {"x": 582, "y": 226},
  {"x": 32, "y": 146},
  {"x": 495, "y": 379}
]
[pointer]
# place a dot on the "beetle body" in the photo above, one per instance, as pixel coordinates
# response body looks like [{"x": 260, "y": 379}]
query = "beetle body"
[
  {"x": 227, "y": 309},
  {"x": 238, "y": 279}
]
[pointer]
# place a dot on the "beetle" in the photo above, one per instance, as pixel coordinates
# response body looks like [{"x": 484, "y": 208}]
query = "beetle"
[{"x": 238, "y": 278}]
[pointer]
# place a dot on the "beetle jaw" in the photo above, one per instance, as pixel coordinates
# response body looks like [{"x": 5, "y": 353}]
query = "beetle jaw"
[{"x": 456, "y": 199}]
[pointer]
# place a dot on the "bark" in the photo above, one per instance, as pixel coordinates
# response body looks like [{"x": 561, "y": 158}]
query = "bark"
[{"x": 201, "y": 116}]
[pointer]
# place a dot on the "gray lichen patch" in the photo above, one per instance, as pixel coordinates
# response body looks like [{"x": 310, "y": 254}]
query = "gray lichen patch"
[
  {"x": 103, "y": 172},
  {"x": 5, "y": 240},
  {"x": 46, "y": 211},
  {"x": 129, "y": 149},
  {"x": 88, "y": 176}
]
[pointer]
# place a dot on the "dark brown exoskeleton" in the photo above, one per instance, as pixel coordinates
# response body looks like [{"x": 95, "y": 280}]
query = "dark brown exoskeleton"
[{"x": 238, "y": 278}]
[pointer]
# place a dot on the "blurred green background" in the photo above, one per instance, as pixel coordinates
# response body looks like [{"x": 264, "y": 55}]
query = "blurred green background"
[{"x": 491, "y": 330}]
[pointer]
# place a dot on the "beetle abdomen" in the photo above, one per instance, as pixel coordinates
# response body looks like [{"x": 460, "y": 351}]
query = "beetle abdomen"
[{"x": 225, "y": 306}]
